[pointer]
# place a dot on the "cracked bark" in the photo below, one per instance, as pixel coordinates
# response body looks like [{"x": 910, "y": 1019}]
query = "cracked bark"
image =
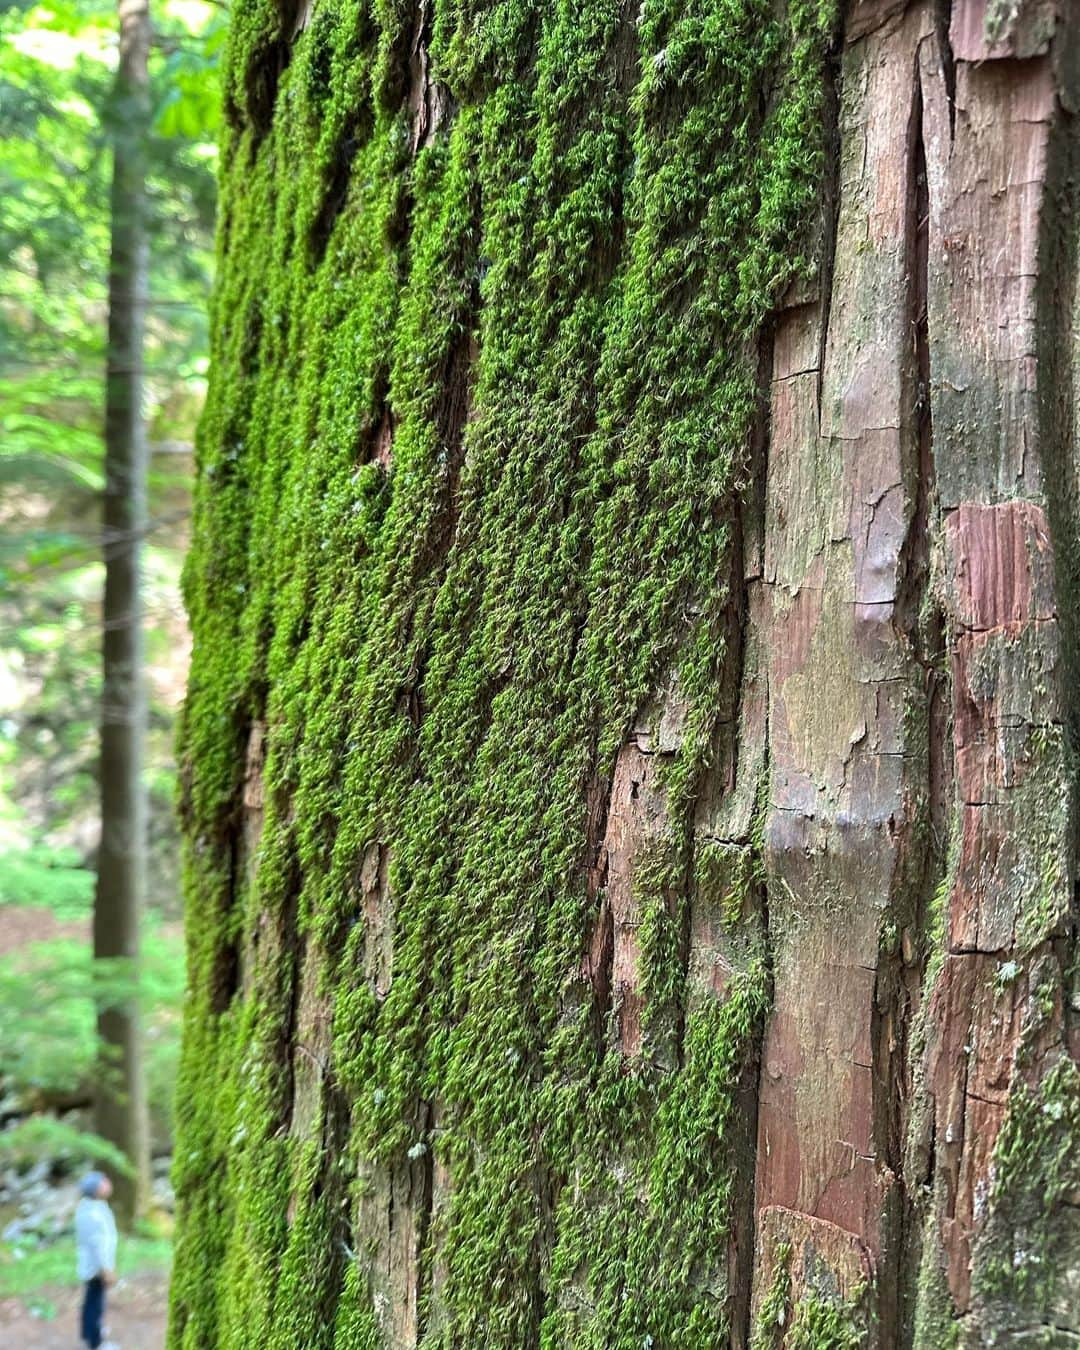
[{"x": 911, "y": 519}]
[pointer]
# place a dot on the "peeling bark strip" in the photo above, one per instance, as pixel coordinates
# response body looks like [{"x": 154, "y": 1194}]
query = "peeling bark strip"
[
  {"x": 847, "y": 766},
  {"x": 645, "y": 910}
]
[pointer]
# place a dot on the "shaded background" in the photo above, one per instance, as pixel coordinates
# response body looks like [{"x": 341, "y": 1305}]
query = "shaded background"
[{"x": 57, "y": 65}]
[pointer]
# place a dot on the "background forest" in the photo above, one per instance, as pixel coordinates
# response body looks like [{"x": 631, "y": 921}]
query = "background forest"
[{"x": 57, "y": 72}]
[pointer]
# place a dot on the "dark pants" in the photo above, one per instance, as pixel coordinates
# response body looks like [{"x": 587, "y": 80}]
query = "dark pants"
[{"x": 93, "y": 1310}]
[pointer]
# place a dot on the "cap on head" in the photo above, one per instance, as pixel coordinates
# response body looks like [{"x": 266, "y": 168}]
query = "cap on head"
[{"x": 92, "y": 1183}]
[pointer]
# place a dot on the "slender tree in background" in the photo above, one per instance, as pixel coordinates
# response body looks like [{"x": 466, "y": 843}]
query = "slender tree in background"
[
  {"x": 121, "y": 1111},
  {"x": 630, "y": 756},
  {"x": 54, "y": 266}
]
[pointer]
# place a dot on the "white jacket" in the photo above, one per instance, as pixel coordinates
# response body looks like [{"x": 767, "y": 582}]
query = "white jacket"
[{"x": 95, "y": 1237}]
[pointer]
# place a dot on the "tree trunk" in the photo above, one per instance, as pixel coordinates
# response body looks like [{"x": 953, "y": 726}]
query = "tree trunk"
[
  {"x": 630, "y": 768},
  {"x": 121, "y": 1107}
]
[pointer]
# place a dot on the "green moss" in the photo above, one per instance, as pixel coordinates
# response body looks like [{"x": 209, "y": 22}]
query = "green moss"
[
  {"x": 936, "y": 1323},
  {"x": 774, "y": 1311},
  {"x": 1000, "y": 14},
  {"x": 1027, "y": 1246},
  {"x": 818, "y": 1319},
  {"x": 725, "y": 876},
  {"x": 819, "y": 1324},
  {"x": 448, "y": 648}
]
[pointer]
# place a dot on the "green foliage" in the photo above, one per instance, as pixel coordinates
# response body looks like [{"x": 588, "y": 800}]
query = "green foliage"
[
  {"x": 48, "y": 1036},
  {"x": 56, "y": 73},
  {"x": 189, "y": 104},
  {"x": 447, "y": 650},
  {"x": 52, "y": 878},
  {"x": 44, "y": 1138},
  {"x": 26, "y": 1271},
  {"x": 55, "y": 81}
]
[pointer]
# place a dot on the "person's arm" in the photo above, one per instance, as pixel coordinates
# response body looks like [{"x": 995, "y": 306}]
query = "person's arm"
[{"x": 108, "y": 1247}]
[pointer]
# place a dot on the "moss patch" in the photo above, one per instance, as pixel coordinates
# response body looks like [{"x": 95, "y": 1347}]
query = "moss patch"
[
  {"x": 816, "y": 1317},
  {"x": 481, "y": 403},
  {"x": 1027, "y": 1255}
]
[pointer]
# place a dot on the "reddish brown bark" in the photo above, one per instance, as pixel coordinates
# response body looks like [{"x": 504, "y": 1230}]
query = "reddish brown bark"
[{"x": 920, "y": 480}]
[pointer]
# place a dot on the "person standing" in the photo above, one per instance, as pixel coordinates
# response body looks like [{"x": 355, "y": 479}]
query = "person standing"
[{"x": 95, "y": 1248}]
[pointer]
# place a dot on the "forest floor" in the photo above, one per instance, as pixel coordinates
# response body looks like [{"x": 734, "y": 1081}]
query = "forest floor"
[{"x": 49, "y": 1318}]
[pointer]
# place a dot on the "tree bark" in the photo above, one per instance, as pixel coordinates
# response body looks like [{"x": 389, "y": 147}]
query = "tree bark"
[
  {"x": 121, "y": 1108},
  {"x": 630, "y": 770}
]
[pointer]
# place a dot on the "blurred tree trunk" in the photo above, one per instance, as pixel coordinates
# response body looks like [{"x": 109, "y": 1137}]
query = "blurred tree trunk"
[{"x": 121, "y": 1115}]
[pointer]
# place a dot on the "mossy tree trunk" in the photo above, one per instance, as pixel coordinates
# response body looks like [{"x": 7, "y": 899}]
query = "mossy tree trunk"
[
  {"x": 630, "y": 752},
  {"x": 121, "y": 1114}
]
